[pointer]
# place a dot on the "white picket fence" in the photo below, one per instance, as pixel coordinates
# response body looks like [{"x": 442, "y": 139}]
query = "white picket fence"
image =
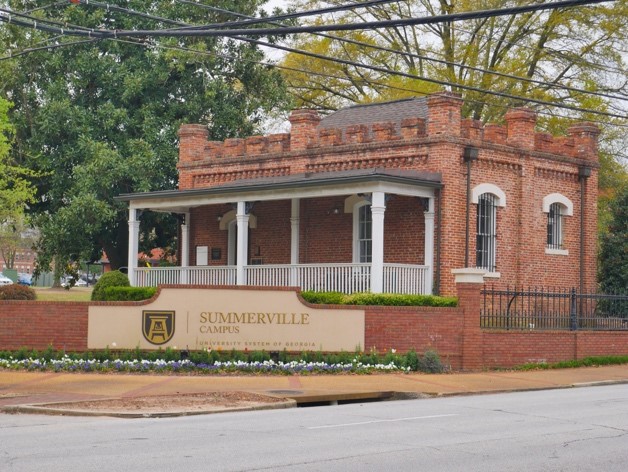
[{"x": 340, "y": 277}]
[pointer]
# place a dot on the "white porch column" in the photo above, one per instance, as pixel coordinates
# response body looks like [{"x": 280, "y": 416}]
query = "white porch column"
[
  {"x": 134, "y": 238},
  {"x": 242, "y": 220},
  {"x": 429, "y": 247},
  {"x": 378, "y": 207},
  {"x": 294, "y": 240},
  {"x": 185, "y": 248}
]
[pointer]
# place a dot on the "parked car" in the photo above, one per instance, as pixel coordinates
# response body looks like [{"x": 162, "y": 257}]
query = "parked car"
[
  {"x": 4, "y": 280},
  {"x": 24, "y": 279},
  {"x": 80, "y": 283},
  {"x": 67, "y": 282}
]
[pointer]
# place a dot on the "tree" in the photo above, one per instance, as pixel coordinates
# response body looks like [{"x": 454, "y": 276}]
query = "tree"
[
  {"x": 614, "y": 248},
  {"x": 15, "y": 235},
  {"x": 100, "y": 118},
  {"x": 15, "y": 189},
  {"x": 539, "y": 45}
]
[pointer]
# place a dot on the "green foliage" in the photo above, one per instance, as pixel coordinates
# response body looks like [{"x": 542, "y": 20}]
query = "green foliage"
[
  {"x": 388, "y": 299},
  {"x": 410, "y": 361},
  {"x": 324, "y": 298},
  {"x": 114, "y": 278},
  {"x": 613, "y": 275},
  {"x": 17, "y": 292},
  {"x": 431, "y": 363},
  {"x": 15, "y": 189},
  {"x": 100, "y": 118},
  {"x": 128, "y": 294},
  {"x": 571, "y": 364},
  {"x": 378, "y": 299}
]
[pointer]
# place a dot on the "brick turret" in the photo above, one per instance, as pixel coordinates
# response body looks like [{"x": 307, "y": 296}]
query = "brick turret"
[
  {"x": 444, "y": 114},
  {"x": 192, "y": 142},
  {"x": 520, "y": 123},
  {"x": 303, "y": 131},
  {"x": 585, "y": 140}
]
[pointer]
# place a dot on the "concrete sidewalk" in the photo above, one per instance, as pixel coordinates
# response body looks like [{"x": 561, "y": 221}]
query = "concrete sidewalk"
[{"x": 18, "y": 388}]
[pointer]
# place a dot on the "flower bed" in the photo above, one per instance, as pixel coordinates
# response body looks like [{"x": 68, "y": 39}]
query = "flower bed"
[
  {"x": 67, "y": 364},
  {"x": 219, "y": 362}
]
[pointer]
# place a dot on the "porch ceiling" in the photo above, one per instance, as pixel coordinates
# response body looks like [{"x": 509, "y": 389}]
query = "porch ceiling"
[{"x": 324, "y": 184}]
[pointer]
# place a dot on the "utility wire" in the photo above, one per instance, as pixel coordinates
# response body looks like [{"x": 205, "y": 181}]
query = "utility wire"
[
  {"x": 272, "y": 19},
  {"x": 549, "y": 85},
  {"x": 336, "y": 27},
  {"x": 346, "y": 79},
  {"x": 47, "y": 48},
  {"x": 402, "y": 74},
  {"x": 510, "y": 76}
]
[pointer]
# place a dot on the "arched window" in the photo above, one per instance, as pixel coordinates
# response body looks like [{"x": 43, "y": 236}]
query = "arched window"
[
  {"x": 362, "y": 232},
  {"x": 555, "y": 226},
  {"x": 486, "y": 233},
  {"x": 556, "y": 206}
]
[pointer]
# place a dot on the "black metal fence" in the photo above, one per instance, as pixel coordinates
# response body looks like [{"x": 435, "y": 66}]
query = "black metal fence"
[{"x": 557, "y": 309}]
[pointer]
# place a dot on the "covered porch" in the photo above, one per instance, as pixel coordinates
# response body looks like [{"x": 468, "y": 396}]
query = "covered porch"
[{"x": 323, "y": 232}]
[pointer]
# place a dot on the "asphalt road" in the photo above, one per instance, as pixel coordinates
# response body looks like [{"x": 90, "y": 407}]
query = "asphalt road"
[{"x": 581, "y": 429}]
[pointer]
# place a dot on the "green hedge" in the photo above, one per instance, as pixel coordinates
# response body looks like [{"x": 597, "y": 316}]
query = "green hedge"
[
  {"x": 127, "y": 294},
  {"x": 109, "y": 279},
  {"x": 378, "y": 299},
  {"x": 326, "y": 298}
]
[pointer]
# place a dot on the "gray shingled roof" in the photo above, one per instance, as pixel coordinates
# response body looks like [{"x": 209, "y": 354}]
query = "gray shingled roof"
[{"x": 377, "y": 113}]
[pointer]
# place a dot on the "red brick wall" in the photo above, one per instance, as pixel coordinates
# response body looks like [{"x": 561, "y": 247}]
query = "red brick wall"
[
  {"x": 37, "y": 325},
  {"x": 416, "y": 328},
  {"x": 453, "y": 333}
]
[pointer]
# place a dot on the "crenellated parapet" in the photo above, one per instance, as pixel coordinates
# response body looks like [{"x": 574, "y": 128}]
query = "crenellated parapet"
[
  {"x": 194, "y": 146},
  {"x": 441, "y": 120}
]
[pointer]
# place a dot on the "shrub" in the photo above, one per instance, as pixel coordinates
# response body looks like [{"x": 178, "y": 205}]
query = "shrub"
[
  {"x": 327, "y": 298},
  {"x": 17, "y": 292},
  {"x": 378, "y": 299},
  {"x": 431, "y": 363},
  {"x": 389, "y": 299},
  {"x": 109, "y": 279},
  {"x": 128, "y": 294}
]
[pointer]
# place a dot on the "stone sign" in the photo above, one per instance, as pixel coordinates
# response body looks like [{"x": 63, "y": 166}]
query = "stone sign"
[{"x": 240, "y": 319}]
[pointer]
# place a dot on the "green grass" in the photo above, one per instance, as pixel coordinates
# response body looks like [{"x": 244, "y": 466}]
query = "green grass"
[
  {"x": 76, "y": 294},
  {"x": 586, "y": 362}
]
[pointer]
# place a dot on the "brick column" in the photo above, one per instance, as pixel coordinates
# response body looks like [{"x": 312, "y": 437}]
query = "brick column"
[
  {"x": 469, "y": 282},
  {"x": 520, "y": 124},
  {"x": 303, "y": 128}
]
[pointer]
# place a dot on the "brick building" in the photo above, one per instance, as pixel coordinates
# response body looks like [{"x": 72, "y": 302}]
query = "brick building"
[{"x": 386, "y": 197}]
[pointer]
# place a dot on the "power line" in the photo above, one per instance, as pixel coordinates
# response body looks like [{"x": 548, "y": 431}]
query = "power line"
[
  {"x": 510, "y": 76},
  {"x": 336, "y": 27},
  {"x": 47, "y": 48},
  {"x": 462, "y": 66},
  {"x": 435, "y": 81},
  {"x": 350, "y": 41},
  {"x": 402, "y": 74},
  {"x": 330, "y": 76},
  {"x": 286, "y": 16}
]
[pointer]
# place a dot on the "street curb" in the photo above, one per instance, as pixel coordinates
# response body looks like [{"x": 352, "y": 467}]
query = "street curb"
[
  {"x": 48, "y": 409},
  {"x": 596, "y": 383}
]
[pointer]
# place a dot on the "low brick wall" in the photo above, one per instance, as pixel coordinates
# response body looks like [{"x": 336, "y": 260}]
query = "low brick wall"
[
  {"x": 418, "y": 328},
  {"x": 37, "y": 325},
  {"x": 512, "y": 348},
  {"x": 452, "y": 332}
]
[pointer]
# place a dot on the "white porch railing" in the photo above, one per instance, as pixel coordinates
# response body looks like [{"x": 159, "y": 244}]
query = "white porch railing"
[
  {"x": 340, "y": 277},
  {"x": 153, "y": 276}
]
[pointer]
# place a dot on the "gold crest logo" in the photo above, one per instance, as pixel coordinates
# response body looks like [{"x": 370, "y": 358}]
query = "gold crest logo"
[{"x": 158, "y": 326}]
